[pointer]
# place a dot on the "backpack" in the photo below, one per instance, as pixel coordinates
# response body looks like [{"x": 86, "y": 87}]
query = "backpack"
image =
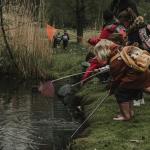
[
  {"x": 144, "y": 34},
  {"x": 139, "y": 63}
]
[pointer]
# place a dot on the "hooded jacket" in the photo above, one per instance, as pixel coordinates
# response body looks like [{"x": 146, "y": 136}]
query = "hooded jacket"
[{"x": 107, "y": 32}]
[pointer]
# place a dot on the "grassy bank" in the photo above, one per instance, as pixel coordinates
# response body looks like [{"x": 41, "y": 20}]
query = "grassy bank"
[
  {"x": 102, "y": 132},
  {"x": 105, "y": 134},
  {"x": 67, "y": 61}
]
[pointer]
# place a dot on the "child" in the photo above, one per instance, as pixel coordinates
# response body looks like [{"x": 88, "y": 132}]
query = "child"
[
  {"x": 139, "y": 34},
  {"x": 111, "y": 26},
  {"x": 96, "y": 63},
  {"x": 111, "y": 30},
  {"x": 57, "y": 40},
  {"x": 127, "y": 82},
  {"x": 65, "y": 39},
  {"x": 124, "y": 6}
]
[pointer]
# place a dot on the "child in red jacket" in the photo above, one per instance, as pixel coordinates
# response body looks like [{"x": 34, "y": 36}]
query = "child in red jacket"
[
  {"x": 96, "y": 63},
  {"x": 110, "y": 27}
]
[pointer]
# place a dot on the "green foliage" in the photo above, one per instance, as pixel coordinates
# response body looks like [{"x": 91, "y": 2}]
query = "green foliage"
[{"x": 58, "y": 12}]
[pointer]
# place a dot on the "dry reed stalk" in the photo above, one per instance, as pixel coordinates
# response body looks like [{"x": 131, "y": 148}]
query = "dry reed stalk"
[{"x": 27, "y": 39}]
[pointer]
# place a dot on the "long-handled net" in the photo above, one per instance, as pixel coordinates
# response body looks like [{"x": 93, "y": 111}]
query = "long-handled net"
[
  {"x": 47, "y": 88},
  {"x": 100, "y": 101}
]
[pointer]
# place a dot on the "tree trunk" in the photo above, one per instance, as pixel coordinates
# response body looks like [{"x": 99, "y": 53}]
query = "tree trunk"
[{"x": 80, "y": 18}]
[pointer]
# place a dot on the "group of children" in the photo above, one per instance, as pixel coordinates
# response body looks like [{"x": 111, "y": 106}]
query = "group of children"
[
  {"x": 57, "y": 39},
  {"x": 124, "y": 45}
]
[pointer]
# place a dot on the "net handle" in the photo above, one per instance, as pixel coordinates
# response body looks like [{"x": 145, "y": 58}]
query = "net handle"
[
  {"x": 102, "y": 70},
  {"x": 68, "y": 76},
  {"x": 100, "y": 102}
]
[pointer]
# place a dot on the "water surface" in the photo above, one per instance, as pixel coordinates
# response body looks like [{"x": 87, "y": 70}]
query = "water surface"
[{"x": 29, "y": 121}]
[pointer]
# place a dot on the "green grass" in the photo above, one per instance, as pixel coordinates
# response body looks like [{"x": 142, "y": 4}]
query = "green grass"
[
  {"x": 67, "y": 61},
  {"x": 105, "y": 134}
]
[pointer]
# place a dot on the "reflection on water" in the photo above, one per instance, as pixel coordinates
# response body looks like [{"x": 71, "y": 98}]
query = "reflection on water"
[{"x": 31, "y": 122}]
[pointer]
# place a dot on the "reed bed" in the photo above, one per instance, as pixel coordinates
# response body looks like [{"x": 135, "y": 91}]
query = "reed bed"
[{"x": 26, "y": 34}]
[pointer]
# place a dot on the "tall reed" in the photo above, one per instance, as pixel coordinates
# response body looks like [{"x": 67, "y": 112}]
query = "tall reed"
[{"x": 25, "y": 27}]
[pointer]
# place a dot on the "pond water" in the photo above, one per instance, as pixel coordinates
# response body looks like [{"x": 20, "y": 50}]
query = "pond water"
[{"x": 29, "y": 121}]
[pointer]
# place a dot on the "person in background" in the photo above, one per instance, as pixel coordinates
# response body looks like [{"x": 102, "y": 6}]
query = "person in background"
[
  {"x": 57, "y": 40},
  {"x": 65, "y": 39}
]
